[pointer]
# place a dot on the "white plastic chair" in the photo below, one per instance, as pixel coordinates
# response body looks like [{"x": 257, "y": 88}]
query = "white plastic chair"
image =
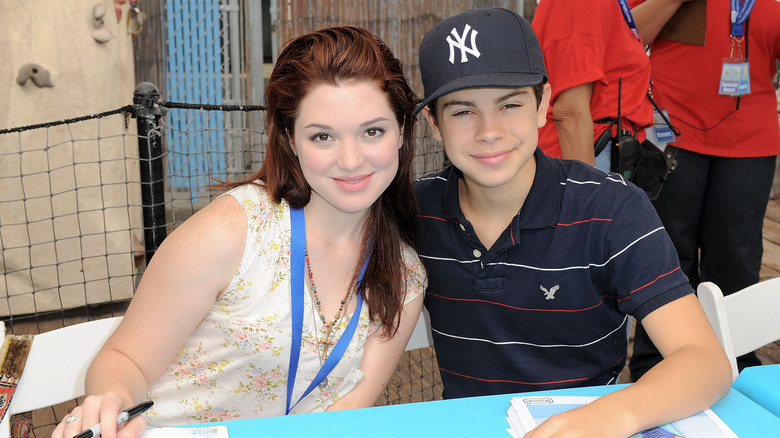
[
  {"x": 744, "y": 321},
  {"x": 421, "y": 336},
  {"x": 57, "y": 366}
]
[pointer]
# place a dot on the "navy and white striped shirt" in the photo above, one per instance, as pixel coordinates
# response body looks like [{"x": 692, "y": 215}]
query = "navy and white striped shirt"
[{"x": 546, "y": 307}]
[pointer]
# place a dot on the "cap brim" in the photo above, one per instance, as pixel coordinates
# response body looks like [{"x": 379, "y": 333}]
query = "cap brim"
[{"x": 487, "y": 80}]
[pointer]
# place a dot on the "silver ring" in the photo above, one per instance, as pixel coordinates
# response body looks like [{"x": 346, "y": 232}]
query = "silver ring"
[{"x": 72, "y": 418}]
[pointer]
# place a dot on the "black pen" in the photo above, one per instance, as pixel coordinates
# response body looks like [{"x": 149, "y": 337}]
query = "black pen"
[{"x": 123, "y": 417}]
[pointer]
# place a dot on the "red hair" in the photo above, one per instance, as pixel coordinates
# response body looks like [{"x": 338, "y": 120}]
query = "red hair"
[{"x": 333, "y": 56}]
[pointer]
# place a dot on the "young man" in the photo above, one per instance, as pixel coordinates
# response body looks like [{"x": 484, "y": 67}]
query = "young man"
[{"x": 536, "y": 263}]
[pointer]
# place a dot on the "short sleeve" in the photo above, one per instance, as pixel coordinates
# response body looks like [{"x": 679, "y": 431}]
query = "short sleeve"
[
  {"x": 415, "y": 277},
  {"x": 645, "y": 269}
]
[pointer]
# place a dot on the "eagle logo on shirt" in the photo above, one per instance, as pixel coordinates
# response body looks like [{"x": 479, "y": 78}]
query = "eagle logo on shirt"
[{"x": 549, "y": 294}]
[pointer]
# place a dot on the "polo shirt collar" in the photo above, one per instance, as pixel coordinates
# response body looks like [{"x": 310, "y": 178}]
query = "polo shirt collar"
[
  {"x": 542, "y": 206},
  {"x": 451, "y": 206}
]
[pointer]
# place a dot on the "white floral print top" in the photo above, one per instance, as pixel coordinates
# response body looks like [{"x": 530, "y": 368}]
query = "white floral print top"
[{"x": 234, "y": 365}]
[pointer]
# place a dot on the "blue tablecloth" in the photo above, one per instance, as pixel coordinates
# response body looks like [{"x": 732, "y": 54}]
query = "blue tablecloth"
[
  {"x": 476, "y": 416},
  {"x": 762, "y": 385}
]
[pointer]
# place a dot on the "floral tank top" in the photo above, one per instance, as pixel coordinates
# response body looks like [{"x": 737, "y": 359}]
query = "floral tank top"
[{"x": 234, "y": 365}]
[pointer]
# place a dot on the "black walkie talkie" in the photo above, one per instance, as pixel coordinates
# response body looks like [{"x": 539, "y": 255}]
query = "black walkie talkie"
[{"x": 625, "y": 151}]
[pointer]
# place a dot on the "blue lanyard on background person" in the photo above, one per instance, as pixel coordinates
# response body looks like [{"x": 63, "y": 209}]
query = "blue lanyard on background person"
[
  {"x": 297, "y": 291},
  {"x": 740, "y": 11},
  {"x": 629, "y": 17}
]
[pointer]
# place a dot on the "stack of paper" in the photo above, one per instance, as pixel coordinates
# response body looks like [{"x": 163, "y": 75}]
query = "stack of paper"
[{"x": 525, "y": 413}]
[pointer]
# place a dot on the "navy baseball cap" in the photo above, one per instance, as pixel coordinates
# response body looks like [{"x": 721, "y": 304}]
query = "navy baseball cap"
[{"x": 480, "y": 48}]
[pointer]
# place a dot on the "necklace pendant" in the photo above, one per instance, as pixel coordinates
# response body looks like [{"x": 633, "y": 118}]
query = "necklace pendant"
[{"x": 324, "y": 384}]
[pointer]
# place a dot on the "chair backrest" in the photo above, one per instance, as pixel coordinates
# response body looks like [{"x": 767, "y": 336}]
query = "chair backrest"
[
  {"x": 745, "y": 320},
  {"x": 57, "y": 366},
  {"x": 421, "y": 336}
]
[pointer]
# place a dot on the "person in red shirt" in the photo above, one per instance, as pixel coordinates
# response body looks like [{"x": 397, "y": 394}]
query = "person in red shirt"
[
  {"x": 713, "y": 205},
  {"x": 587, "y": 47}
]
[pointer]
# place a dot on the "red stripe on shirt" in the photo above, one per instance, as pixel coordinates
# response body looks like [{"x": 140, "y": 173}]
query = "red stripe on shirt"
[
  {"x": 648, "y": 284},
  {"x": 595, "y": 219},
  {"x": 513, "y": 381},
  {"x": 581, "y": 379},
  {"x": 434, "y": 217},
  {"x": 475, "y": 300}
]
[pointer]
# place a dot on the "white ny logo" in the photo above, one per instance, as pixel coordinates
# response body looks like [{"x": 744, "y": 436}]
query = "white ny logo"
[{"x": 459, "y": 43}]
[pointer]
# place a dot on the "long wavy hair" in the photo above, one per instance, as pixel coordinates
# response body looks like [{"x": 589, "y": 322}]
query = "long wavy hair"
[{"x": 334, "y": 56}]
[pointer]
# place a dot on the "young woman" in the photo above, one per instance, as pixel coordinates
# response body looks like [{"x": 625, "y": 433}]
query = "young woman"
[{"x": 296, "y": 291}]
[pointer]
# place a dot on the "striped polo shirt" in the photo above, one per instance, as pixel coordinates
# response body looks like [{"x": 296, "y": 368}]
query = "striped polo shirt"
[{"x": 546, "y": 306}]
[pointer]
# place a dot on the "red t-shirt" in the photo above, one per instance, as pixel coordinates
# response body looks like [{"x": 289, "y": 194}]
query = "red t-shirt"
[
  {"x": 589, "y": 41},
  {"x": 686, "y": 79}
]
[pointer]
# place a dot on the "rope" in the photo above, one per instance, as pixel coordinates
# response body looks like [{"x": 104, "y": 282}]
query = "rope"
[
  {"x": 131, "y": 109},
  {"x": 123, "y": 110},
  {"x": 203, "y": 106}
]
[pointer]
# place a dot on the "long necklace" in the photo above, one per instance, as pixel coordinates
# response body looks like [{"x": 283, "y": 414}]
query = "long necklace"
[
  {"x": 329, "y": 328},
  {"x": 323, "y": 385}
]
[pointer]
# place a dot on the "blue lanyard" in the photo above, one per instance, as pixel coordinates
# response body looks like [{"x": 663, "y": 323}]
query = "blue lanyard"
[
  {"x": 297, "y": 290},
  {"x": 740, "y": 11},
  {"x": 629, "y": 17}
]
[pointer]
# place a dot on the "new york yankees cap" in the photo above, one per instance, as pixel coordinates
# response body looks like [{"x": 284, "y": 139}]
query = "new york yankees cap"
[{"x": 480, "y": 48}]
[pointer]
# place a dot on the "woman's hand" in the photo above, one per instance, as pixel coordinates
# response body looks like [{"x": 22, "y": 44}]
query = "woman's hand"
[{"x": 100, "y": 409}]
